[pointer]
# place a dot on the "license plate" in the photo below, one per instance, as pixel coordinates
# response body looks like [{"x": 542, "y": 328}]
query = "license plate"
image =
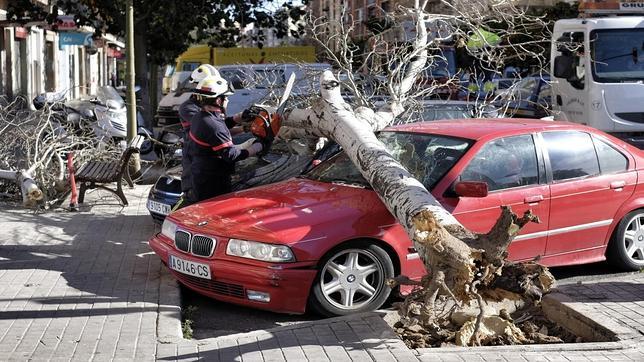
[
  {"x": 198, "y": 270},
  {"x": 159, "y": 208}
]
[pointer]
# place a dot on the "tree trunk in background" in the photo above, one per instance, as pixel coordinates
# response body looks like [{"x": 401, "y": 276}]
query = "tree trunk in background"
[
  {"x": 154, "y": 93},
  {"x": 142, "y": 72}
]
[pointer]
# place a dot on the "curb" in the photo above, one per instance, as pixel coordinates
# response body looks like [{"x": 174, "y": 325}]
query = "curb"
[
  {"x": 169, "y": 313},
  {"x": 302, "y": 325},
  {"x": 562, "y": 309}
]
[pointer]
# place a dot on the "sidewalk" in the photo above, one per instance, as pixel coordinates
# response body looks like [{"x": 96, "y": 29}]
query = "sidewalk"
[{"x": 85, "y": 286}]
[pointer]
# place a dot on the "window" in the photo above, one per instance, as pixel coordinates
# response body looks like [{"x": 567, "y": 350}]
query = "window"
[
  {"x": 189, "y": 66},
  {"x": 523, "y": 89},
  {"x": 234, "y": 76},
  {"x": 572, "y": 44},
  {"x": 572, "y": 155},
  {"x": 169, "y": 71},
  {"x": 617, "y": 55},
  {"x": 610, "y": 160},
  {"x": 505, "y": 163},
  {"x": 545, "y": 93}
]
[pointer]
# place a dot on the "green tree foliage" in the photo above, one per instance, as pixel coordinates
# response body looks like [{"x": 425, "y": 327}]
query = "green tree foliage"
[{"x": 171, "y": 26}]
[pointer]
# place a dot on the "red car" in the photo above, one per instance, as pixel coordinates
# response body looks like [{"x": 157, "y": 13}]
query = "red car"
[{"x": 325, "y": 240}]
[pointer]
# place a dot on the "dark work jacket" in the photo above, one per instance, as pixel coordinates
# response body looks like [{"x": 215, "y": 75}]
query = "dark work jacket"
[
  {"x": 211, "y": 145},
  {"x": 187, "y": 110}
]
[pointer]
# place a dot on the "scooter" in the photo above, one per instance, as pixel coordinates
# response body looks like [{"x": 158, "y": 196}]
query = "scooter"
[{"x": 105, "y": 115}]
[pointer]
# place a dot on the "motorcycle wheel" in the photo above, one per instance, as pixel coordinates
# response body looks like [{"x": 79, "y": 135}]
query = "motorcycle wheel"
[{"x": 146, "y": 147}]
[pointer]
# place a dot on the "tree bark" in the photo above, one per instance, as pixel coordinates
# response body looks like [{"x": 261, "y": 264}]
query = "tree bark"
[
  {"x": 142, "y": 72},
  {"x": 31, "y": 193},
  {"x": 465, "y": 267}
]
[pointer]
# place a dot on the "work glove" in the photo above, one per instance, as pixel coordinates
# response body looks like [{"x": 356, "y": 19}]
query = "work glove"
[
  {"x": 247, "y": 144},
  {"x": 254, "y": 148}
]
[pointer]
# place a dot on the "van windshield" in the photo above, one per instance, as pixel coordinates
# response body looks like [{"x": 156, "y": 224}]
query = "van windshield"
[{"x": 617, "y": 55}]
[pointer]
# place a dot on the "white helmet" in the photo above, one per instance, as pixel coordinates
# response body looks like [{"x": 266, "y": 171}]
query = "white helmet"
[
  {"x": 202, "y": 71},
  {"x": 213, "y": 86}
]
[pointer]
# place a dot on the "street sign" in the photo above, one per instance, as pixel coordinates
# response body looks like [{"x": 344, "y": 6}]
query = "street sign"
[
  {"x": 65, "y": 22},
  {"x": 611, "y": 6},
  {"x": 74, "y": 38},
  {"x": 21, "y": 33}
]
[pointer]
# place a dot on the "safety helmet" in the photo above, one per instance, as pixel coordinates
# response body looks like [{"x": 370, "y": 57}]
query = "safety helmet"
[
  {"x": 202, "y": 71},
  {"x": 213, "y": 86}
]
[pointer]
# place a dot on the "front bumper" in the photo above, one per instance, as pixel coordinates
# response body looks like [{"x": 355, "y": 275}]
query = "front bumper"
[
  {"x": 166, "y": 190},
  {"x": 288, "y": 288}
]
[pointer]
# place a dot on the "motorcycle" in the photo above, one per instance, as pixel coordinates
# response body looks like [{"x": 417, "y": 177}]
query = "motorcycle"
[
  {"x": 105, "y": 114},
  {"x": 167, "y": 144}
]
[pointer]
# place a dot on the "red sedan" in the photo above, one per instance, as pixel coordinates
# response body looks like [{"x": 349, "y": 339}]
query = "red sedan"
[{"x": 324, "y": 240}]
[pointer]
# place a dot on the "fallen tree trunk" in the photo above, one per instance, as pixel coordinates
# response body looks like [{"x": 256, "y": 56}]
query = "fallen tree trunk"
[
  {"x": 468, "y": 269},
  {"x": 31, "y": 193},
  {"x": 464, "y": 266}
]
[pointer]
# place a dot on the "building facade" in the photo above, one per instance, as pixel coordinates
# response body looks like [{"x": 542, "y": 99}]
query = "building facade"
[{"x": 36, "y": 59}]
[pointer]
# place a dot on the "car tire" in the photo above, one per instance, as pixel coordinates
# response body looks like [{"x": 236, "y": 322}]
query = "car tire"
[
  {"x": 626, "y": 247},
  {"x": 351, "y": 279}
]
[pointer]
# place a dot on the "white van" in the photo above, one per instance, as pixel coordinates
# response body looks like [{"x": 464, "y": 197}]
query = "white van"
[{"x": 253, "y": 83}]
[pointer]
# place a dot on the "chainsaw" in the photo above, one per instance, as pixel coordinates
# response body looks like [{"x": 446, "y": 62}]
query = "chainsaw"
[{"x": 266, "y": 125}]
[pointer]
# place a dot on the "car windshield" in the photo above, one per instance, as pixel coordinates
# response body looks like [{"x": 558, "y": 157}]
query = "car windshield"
[
  {"x": 426, "y": 156},
  {"x": 523, "y": 89},
  {"x": 618, "y": 55},
  {"x": 106, "y": 92}
]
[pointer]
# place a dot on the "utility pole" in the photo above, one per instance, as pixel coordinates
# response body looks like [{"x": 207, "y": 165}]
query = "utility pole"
[{"x": 131, "y": 96}]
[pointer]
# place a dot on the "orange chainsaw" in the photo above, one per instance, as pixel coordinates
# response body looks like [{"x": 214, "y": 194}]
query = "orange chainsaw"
[{"x": 266, "y": 125}]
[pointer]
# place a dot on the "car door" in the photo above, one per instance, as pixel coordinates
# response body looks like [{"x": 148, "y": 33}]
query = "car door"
[
  {"x": 586, "y": 192},
  {"x": 515, "y": 174}
]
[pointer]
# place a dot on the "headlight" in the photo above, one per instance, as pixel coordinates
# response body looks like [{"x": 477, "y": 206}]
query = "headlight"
[
  {"x": 168, "y": 228},
  {"x": 259, "y": 251}
]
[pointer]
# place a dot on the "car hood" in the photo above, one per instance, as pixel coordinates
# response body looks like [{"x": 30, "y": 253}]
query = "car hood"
[{"x": 287, "y": 212}]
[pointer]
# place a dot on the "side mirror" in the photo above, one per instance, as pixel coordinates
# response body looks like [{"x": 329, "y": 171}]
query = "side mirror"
[
  {"x": 471, "y": 189},
  {"x": 564, "y": 65}
]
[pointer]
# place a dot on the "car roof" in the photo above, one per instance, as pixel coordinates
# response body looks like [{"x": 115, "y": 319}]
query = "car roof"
[{"x": 477, "y": 128}]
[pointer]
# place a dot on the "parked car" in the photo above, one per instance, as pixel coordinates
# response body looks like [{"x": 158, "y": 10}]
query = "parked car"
[
  {"x": 325, "y": 239},
  {"x": 529, "y": 97},
  {"x": 167, "y": 189}
]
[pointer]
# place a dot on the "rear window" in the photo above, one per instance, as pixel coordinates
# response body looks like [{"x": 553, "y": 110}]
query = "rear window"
[
  {"x": 572, "y": 155},
  {"x": 610, "y": 160}
]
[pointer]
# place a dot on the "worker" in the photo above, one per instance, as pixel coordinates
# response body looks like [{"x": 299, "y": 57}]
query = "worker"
[
  {"x": 210, "y": 147},
  {"x": 187, "y": 110}
]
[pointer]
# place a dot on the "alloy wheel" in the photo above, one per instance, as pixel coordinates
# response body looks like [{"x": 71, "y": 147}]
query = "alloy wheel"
[
  {"x": 352, "y": 278},
  {"x": 633, "y": 240}
]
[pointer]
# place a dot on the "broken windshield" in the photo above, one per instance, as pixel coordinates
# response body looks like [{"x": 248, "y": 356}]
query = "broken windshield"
[
  {"x": 617, "y": 55},
  {"x": 426, "y": 156}
]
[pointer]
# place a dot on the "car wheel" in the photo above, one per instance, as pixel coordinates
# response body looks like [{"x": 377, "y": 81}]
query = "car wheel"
[
  {"x": 352, "y": 279},
  {"x": 626, "y": 248}
]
